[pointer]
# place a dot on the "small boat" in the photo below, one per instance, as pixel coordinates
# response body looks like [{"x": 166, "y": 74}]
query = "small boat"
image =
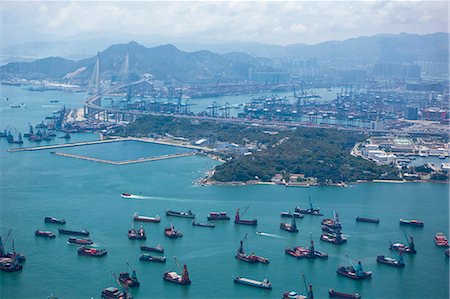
[
  {"x": 203, "y": 224},
  {"x": 187, "y": 214},
  {"x": 441, "y": 240},
  {"x": 370, "y": 220},
  {"x": 136, "y": 234},
  {"x": 158, "y": 248},
  {"x": 238, "y": 220},
  {"x": 45, "y": 234},
  {"x": 218, "y": 216},
  {"x": 174, "y": 277},
  {"x": 152, "y": 258},
  {"x": 82, "y": 232},
  {"x": 291, "y": 215},
  {"x": 265, "y": 284},
  {"x": 113, "y": 293},
  {"x": 91, "y": 251},
  {"x": 353, "y": 272},
  {"x": 126, "y": 195},
  {"x": 336, "y": 239},
  {"x": 411, "y": 222},
  {"x": 171, "y": 232},
  {"x": 295, "y": 295},
  {"x": 129, "y": 280},
  {"x": 290, "y": 227},
  {"x": 334, "y": 294},
  {"x": 83, "y": 241},
  {"x": 311, "y": 211},
  {"x": 155, "y": 219},
  {"x": 391, "y": 261},
  {"x": 54, "y": 220}
]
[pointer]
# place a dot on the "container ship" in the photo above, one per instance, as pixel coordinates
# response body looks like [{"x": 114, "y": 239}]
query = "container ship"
[
  {"x": 411, "y": 222},
  {"x": 91, "y": 251},
  {"x": 441, "y": 240},
  {"x": 218, "y": 216}
]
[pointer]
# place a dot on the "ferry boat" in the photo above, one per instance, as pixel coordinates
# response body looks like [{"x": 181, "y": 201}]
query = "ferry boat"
[
  {"x": 136, "y": 234},
  {"x": 158, "y": 248},
  {"x": 311, "y": 211},
  {"x": 391, "y": 261},
  {"x": 411, "y": 222},
  {"x": 370, "y": 220},
  {"x": 171, "y": 232},
  {"x": 334, "y": 294},
  {"x": 45, "y": 234},
  {"x": 203, "y": 224},
  {"x": 54, "y": 220},
  {"x": 174, "y": 277},
  {"x": 82, "y": 232},
  {"x": 265, "y": 284},
  {"x": 218, "y": 216},
  {"x": 126, "y": 195},
  {"x": 91, "y": 251},
  {"x": 155, "y": 219},
  {"x": 113, "y": 293},
  {"x": 83, "y": 241},
  {"x": 295, "y": 295},
  {"x": 187, "y": 214},
  {"x": 353, "y": 272},
  {"x": 291, "y": 215},
  {"x": 441, "y": 240},
  {"x": 152, "y": 258},
  {"x": 336, "y": 239},
  {"x": 238, "y": 220},
  {"x": 290, "y": 227}
]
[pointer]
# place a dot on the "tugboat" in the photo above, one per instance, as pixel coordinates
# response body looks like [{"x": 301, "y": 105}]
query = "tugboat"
[
  {"x": 334, "y": 294},
  {"x": 130, "y": 281},
  {"x": 334, "y": 222},
  {"x": 290, "y": 227},
  {"x": 91, "y": 251},
  {"x": 45, "y": 234},
  {"x": 295, "y": 295},
  {"x": 152, "y": 258},
  {"x": 335, "y": 238},
  {"x": 353, "y": 272},
  {"x": 392, "y": 262},
  {"x": 158, "y": 248},
  {"x": 134, "y": 234},
  {"x": 174, "y": 277},
  {"x": 171, "y": 232},
  {"x": 187, "y": 214},
  {"x": 54, "y": 220},
  {"x": 155, "y": 219},
  {"x": 218, "y": 216},
  {"x": 310, "y": 211},
  {"x": 370, "y": 220},
  {"x": 251, "y": 258},
  {"x": 126, "y": 195},
  {"x": 203, "y": 224},
  {"x": 291, "y": 215},
  {"x": 265, "y": 284},
  {"x": 83, "y": 241},
  {"x": 410, "y": 249},
  {"x": 411, "y": 222},
  {"x": 82, "y": 232},
  {"x": 238, "y": 220},
  {"x": 441, "y": 240}
]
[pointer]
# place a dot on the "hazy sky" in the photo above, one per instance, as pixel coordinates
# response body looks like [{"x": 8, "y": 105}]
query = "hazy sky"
[{"x": 281, "y": 22}]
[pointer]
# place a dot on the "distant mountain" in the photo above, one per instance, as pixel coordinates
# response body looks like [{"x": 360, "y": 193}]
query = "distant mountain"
[{"x": 164, "y": 62}]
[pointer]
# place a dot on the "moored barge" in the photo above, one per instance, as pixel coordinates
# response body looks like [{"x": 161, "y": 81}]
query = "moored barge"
[
  {"x": 187, "y": 214},
  {"x": 334, "y": 294},
  {"x": 82, "y": 232},
  {"x": 265, "y": 284},
  {"x": 369, "y": 220}
]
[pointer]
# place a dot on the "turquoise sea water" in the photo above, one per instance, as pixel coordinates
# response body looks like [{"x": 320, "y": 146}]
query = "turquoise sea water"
[{"x": 87, "y": 195}]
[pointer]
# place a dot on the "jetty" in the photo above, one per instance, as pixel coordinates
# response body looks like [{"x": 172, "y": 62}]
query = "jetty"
[
  {"x": 125, "y": 162},
  {"x": 65, "y": 145}
]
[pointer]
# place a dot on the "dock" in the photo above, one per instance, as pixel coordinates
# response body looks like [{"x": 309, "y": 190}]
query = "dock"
[
  {"x": 125, "y": 162},
  {"x": 64, "y": 145}
]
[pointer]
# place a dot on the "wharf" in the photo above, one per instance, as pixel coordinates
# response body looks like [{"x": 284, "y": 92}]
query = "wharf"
[
  {"x": 125, "y": 162},
  {"x": 54, "y": 146}
]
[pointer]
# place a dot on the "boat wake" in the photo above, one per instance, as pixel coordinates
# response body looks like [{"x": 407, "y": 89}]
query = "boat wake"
[{"x": 270, "y": 235}]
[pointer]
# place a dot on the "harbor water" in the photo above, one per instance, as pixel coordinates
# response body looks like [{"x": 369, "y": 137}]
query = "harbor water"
[{"x": 87, "y": 195}]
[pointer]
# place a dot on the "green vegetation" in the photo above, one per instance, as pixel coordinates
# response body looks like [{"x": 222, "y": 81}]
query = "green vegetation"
[{"x": 320, "y": 153}]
